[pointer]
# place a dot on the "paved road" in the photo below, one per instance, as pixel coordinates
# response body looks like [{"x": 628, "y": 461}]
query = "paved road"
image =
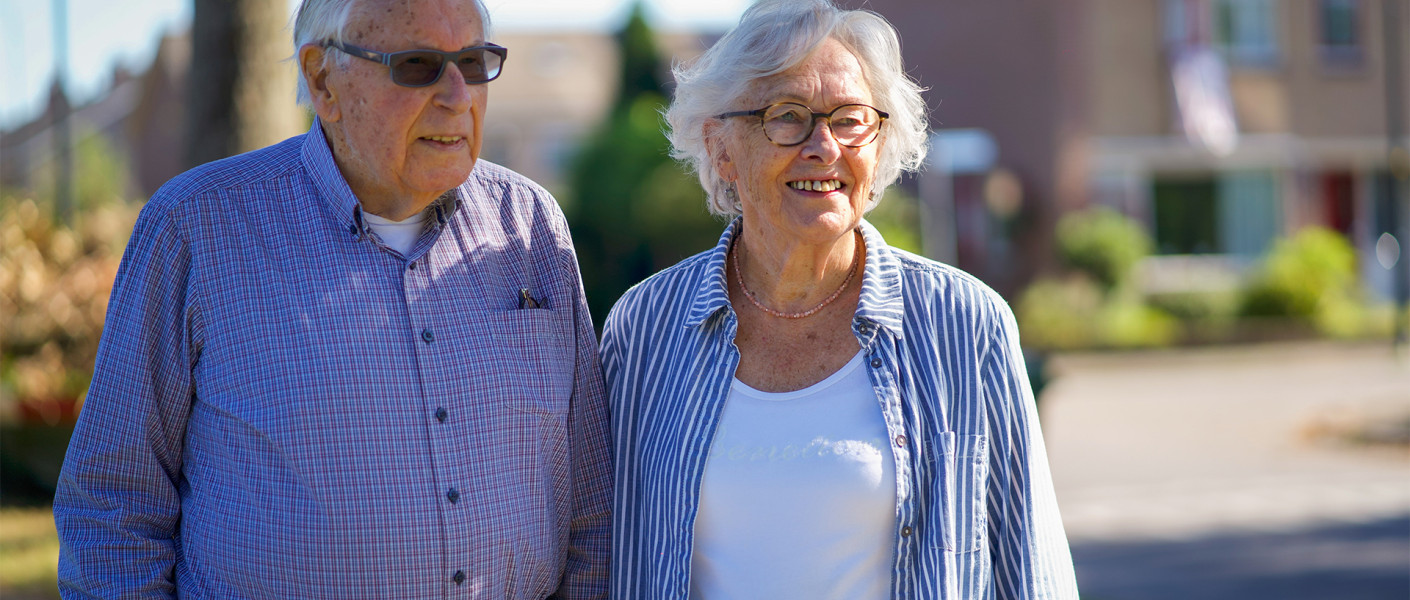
[{"x": 1228, "y": 473}]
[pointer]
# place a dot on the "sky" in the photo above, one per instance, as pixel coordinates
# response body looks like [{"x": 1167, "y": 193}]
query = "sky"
[{"x": 105, "y": 33}]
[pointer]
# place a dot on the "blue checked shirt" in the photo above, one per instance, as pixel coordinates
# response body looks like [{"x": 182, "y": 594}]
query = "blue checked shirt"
[
  {"x": 283, "y": 407},
  {"x": 975, "y": 517}
]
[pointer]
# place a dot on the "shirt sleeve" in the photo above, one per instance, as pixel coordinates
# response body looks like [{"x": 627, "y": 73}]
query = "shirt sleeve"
[
  {"x": 1029, "y": 548},
  {"x": 589, "y": 549},
  {"x": 117, "y": 505}
]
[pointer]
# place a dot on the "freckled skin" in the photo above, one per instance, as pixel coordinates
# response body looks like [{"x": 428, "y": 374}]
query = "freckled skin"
[
  {"x": 775, "y": 214},
  {"x": 378, "y": 130},
  {"x": 797, "y": 245}
]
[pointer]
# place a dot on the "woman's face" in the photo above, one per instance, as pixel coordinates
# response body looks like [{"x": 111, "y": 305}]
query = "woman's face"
[{"x": 775, "y": 184}]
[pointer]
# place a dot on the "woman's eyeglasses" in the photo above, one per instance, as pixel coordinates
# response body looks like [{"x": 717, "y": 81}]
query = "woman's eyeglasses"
[
  {"x": 420, "y": 68},
  {"x": 790, "y": 123}
]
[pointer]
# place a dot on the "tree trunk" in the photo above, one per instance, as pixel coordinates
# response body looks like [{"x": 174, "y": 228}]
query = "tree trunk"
[{"x": 241, "y": 88}]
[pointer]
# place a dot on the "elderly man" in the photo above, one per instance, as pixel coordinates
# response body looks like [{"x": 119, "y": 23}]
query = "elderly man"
[{"x": 356, "y": 364}]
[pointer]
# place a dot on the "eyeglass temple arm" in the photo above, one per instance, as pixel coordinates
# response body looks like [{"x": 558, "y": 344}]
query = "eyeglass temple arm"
[{"x": 385, "y": 59}]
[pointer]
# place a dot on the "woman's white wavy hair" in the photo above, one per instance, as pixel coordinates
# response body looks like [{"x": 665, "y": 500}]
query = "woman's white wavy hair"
[
  {"x": 321, "y": 20},
  {"x": 772, "y": 37}
]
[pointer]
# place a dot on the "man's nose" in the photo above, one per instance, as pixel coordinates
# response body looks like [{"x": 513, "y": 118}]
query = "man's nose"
[{"x": 451, "y": 90}]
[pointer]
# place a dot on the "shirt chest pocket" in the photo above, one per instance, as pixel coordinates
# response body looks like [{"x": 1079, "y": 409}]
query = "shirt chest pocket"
[
  {"x": 536, "y": 362},
  {"x": 959, "y": 494}
]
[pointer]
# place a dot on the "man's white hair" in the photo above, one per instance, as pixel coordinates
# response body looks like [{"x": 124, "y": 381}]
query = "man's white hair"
[
  {"x": 772, "y": 37},
  {"x": 318, "y": 21}
]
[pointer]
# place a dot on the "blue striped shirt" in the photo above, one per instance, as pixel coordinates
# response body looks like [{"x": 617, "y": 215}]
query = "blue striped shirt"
[
  {"x": 975, "y": 517},
  {"x": 284, "y": 407}
]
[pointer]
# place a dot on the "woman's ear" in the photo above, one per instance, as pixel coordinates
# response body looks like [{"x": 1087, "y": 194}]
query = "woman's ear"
[
  {"x": 313, "y": 67},
  {"x": 714, "y": 134}
]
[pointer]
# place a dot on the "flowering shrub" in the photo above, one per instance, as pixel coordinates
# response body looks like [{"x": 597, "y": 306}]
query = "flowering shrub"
[{"x": 54, "y": 286}]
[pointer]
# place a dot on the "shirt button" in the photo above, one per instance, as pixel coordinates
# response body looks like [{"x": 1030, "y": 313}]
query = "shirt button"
[
  {"x": 412, "y": 266},
  {"x": 901, "y": 441},
  {"x": 427, "y": 336},
  {"x": 876, "y": 363},
  {"x": 453, "y": 496},
  {"x": 352, "y": 229},
  {"x": 441, "y": 414},
  {"x": 864, "y": 328},
  {"x": 906, "y": 531},
  {"x": 458, "y": 577}
]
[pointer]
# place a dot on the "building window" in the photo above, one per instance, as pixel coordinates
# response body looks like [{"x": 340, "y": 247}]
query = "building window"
[
  {"x": 1185, "y": 216},
  {"x": 1246, "y": 31},
  {"x": 1339, "y": 37},
  {"x": 1235, "y": 213}
]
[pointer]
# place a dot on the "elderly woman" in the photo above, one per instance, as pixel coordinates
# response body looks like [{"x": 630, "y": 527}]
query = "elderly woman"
[{"x": 804, "y": 411}]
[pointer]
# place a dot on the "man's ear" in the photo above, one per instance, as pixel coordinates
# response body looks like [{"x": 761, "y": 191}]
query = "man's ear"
[
  {"x": 714, "y": 133},
  {"x": 313, "y": 67}
]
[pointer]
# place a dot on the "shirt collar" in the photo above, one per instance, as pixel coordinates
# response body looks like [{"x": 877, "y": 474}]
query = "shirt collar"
[
  {"x": 881, "y": 301},
  {"x": 318, "y": 160},
  {"x": 712, "y": 293}
]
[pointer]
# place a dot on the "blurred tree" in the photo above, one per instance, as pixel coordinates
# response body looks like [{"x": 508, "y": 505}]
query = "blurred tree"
[
  {"x": 634, "y": 210},
  {"x": 1103, "y": 244},
  {"x": 1310, "y": 276},
  {"x": 241, "y": 90}
]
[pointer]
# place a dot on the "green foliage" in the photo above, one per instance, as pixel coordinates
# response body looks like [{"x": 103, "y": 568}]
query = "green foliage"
[
  {"x": 633, "y": 211},
  {"x": 1197, "y": 307},
  {"x": 100, "y": 176},
  {"x": 1074, "y": 313},
  {"x": 1103, "y": 244},
  {"x": 897, "y": 217},
  {"x": 1056, "y": 314},
  {"x": 1129, "y": 323},
  {"x": 641, "y": 66},
  {"x": 1303, "y": 277}
]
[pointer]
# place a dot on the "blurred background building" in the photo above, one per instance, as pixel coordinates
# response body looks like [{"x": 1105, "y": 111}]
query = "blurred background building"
[
  {"x": 1220, "y": 125},
  {"x": 1183, "y": 175}
]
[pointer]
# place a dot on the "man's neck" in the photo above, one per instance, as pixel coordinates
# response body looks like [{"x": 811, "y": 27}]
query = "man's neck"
[{"x": 394, "y": 210}]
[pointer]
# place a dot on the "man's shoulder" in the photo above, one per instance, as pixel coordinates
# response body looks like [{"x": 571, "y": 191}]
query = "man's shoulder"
[
  {"x": 257, "y": 168},
  {"x": 487, "y": 174}
]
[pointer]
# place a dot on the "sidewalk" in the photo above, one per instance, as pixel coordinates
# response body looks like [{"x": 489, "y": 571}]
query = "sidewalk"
[{"x": 1232, "y": 457}]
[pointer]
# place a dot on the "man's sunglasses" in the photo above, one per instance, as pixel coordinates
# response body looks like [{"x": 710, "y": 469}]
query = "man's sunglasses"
[{"x": 420, "y": 68}]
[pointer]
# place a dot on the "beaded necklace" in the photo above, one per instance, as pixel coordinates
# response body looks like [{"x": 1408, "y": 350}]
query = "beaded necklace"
[{"x": 851, "y": 271}]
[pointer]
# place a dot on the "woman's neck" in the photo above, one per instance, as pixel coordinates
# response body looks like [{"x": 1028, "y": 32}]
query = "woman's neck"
[{"x": 788, "y": 275}]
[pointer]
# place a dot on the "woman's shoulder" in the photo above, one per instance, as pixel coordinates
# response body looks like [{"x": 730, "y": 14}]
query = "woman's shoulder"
[
  {"x": 664, "y": 294},
  {"x": 929, "y": 278}
]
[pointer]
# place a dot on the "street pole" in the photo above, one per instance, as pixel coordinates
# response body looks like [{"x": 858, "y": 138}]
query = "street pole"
[
  {"x": 1398, "y": 162},
  {"x": 63, "y": 136}
]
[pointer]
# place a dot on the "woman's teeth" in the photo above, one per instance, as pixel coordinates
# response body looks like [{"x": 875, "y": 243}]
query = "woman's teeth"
[
  {"x": 444, "y": 139},
  {"x": 816, "y": 185}
]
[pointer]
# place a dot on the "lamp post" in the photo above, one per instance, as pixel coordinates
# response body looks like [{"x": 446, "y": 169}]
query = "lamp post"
[{"x": 1398, "y": 160}]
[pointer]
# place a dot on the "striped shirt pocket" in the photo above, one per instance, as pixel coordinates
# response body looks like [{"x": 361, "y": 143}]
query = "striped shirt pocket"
[{"x": 960, "y": 492}]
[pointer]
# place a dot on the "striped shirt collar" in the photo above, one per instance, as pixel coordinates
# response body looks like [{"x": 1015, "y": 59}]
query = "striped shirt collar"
[
  {"x": 317, "y": 157},
  {"x": 881, "y": 301}
]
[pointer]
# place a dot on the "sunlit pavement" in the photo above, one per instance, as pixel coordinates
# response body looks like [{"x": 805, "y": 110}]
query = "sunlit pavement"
[{"x": 1232, "y": 472}]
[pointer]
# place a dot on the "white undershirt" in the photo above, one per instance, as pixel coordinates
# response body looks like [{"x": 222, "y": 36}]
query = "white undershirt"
[
  {"x": 798, "y": 499},
  {"x": 397, "y": 235}
]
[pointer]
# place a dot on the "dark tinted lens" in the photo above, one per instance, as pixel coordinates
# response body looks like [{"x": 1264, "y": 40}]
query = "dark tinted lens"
[
  {"x": 479, "y": 65},
  {"x": 416, "y": 68}
]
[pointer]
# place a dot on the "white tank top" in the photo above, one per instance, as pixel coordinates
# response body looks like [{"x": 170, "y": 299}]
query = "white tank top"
[{"x": 798, "y": 498}]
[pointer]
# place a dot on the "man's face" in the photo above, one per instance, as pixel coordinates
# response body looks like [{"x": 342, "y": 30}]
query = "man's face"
[{"x": 399, "y": 147}]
